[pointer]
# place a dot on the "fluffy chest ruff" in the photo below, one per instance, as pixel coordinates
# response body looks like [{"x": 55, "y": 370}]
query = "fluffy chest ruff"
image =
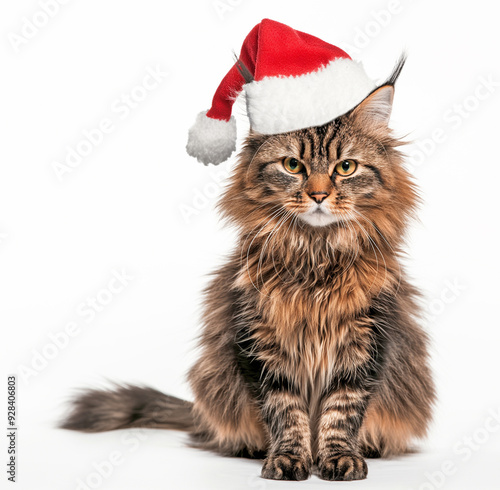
[{"x": 307, "y": 322}]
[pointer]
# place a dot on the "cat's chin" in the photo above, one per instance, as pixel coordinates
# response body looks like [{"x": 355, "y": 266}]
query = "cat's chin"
[{"x": 319, "y": 217}]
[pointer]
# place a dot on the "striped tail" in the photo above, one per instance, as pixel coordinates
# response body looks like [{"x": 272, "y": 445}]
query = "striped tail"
[{"x": 127, "y": 406}]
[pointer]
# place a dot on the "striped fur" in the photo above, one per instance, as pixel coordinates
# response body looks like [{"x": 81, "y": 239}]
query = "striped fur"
[{"x": 311, "y": 352}]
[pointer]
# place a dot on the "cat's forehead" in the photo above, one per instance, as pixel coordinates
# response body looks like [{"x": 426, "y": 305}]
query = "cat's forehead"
[
  {"x": 320, "y": 146},
  {"x": 321, "y": 143}
]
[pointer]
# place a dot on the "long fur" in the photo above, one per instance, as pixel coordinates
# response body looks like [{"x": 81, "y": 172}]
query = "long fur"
[
  {"x": 311, "y": 350},
  {"x": 127, "y": 406}
]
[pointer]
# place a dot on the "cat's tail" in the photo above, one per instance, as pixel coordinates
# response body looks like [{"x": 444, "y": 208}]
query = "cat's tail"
[{"x": 126, "y": 406}]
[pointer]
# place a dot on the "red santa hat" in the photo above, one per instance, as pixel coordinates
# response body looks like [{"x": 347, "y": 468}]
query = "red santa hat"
[{"x": 292, "y": 80}]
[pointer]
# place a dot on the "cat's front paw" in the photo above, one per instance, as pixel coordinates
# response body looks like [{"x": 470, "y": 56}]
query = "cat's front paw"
[
  {"x": 343, "y": 467},
  {"x": 286, "y": 466}
]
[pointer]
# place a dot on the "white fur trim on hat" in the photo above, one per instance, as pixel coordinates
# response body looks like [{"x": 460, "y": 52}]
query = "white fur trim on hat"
[
  {"x": 280, "y": 104},
  {"x": 211, "y": 140}
]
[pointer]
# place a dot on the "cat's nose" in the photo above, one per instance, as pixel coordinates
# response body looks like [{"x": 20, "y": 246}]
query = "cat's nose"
[{"x": 318, "y": 196}]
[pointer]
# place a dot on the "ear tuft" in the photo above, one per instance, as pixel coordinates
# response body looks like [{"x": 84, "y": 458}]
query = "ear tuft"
[
  {"x": 377, "y": 107},
  {"x": 398, "y": 67}
]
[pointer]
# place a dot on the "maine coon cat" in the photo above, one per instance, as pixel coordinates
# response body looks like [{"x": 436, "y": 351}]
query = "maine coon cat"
[{"x": 311, "y": 351}]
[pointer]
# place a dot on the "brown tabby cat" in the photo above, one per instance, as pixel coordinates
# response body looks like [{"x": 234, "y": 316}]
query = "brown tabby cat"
[{"x": 311, "y": 350}]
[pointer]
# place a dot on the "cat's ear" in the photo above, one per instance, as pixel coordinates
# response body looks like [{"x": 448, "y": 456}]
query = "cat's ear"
[{"x": 376, "y": 108}]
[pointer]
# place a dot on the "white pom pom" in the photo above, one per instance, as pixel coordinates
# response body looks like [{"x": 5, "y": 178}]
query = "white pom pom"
[{"x": 211, "y": 140}]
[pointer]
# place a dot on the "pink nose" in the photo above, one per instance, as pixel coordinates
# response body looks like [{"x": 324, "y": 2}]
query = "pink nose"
[{"x": 319, "y": 196}]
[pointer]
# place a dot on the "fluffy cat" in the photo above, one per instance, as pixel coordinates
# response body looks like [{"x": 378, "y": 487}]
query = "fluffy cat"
[{"x": 311, "y": 351}]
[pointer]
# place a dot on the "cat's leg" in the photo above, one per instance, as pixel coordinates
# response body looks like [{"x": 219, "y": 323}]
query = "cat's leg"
[
  {"x": 289, "y": 455},
  {"x": 401, "y": 406},
  {"x": 227, "y": 419},
  {"x": 384, "y": 433},
  {"x": 400, "y": 410},
  {"x": 344, "y": 401},
  {"x": 339, "y": 456}
]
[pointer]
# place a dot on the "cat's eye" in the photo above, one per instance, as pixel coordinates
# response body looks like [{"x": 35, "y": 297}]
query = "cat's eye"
[
  {"x": 293, "y": 165},
  {"x": 346, "y": 167}
]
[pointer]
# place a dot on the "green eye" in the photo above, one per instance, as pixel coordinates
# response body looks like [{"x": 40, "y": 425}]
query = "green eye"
[
  {"x": 292, "y": 165},
  {"x": 345, "y": 168}
]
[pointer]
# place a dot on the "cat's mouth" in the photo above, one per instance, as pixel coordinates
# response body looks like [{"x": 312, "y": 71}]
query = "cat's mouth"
[{"x": 319, "y": 215}]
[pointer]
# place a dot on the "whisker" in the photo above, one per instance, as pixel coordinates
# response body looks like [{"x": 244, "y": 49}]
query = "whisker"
[
  {"x": 373, "y": 245},
  {"x": 276, "y": 227},
  {"x": 250, "y": 246},
  {"x": 400, "y": 272}
]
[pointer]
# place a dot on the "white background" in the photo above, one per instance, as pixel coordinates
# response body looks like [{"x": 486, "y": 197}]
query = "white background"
[{"x": 126, "y": 206}]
